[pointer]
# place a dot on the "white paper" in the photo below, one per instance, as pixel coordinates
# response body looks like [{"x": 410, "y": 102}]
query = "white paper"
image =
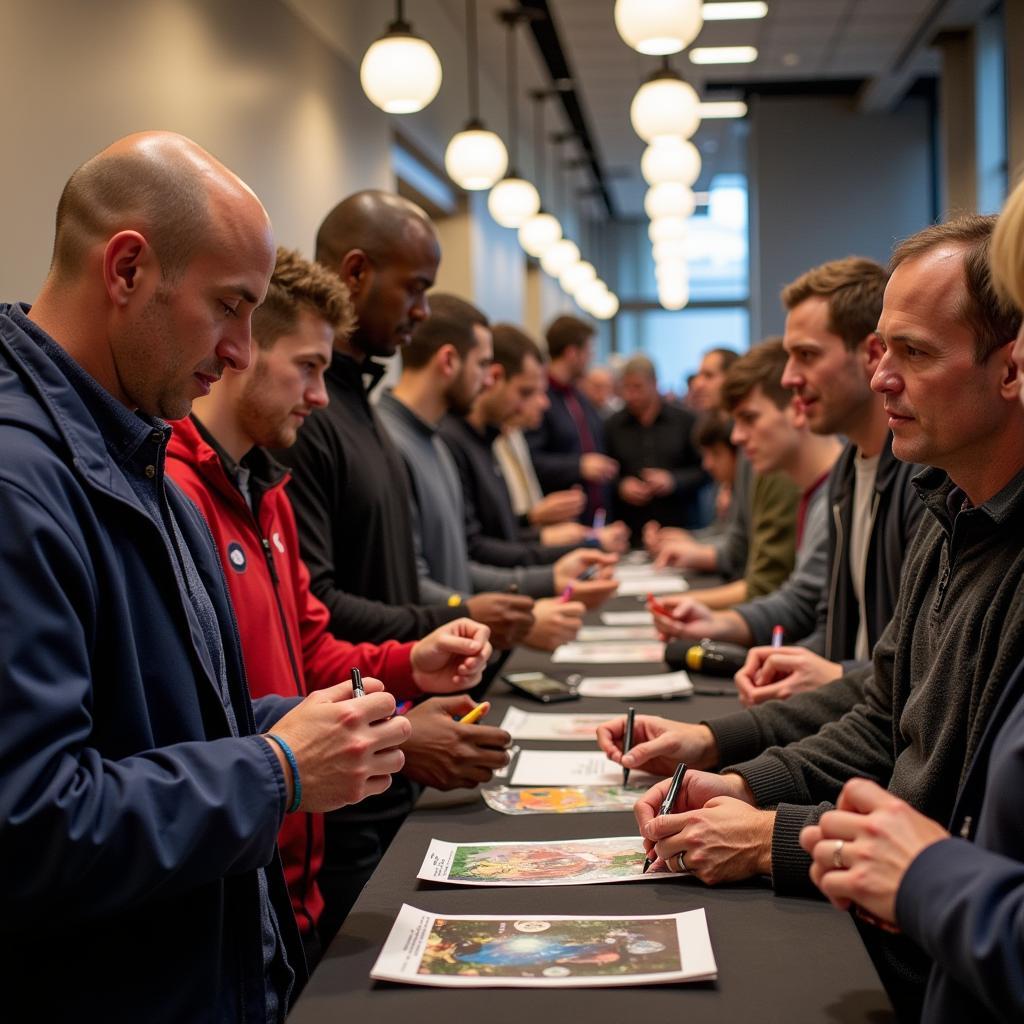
[
  {"x": 640, "y": 618},
  {"x": 540, "y": 725},
  {"x": 573, "y": 768},
  {"x": 668, "y": 684},
  {"x": 610, "y": 654},
  {"x": 597, "y": 634},
  {"x": 539, "y": 862},
  {"x": 534, "y": 951},
  {"x": 634, "y": 586}
]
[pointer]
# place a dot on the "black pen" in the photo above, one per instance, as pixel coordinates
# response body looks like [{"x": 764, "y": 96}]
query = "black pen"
[
  {"x": 589, "y": 573},
  {"x": 667, "y": 803},
  {"x": 357, "y": 683},
  {"x": 627, "y": 742}
]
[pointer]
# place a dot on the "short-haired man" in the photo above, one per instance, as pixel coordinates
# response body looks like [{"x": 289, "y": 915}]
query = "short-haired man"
[
  {"x": 660, "y": 471},
  {"x": 757, "y": 552},
  {"x": 705, "y": 391},
  {"x": 950, "y": 389},
  {"x": 347, "y": 479},
  {"x": 774, "y": 435},
  {"x": 444, "y": 368},
  {"x": 568, "y": 446},
  {"x": 219, "y": 458},
  {"x": 600, "y": 385},
  {"x": 141, "y": 792}
]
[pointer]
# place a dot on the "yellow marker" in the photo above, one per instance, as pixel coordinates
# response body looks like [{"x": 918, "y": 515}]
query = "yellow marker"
[{"x": 476, "y": 714}]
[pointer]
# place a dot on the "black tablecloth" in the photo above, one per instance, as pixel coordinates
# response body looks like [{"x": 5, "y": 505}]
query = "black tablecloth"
[{"x": 779, "y": 959}]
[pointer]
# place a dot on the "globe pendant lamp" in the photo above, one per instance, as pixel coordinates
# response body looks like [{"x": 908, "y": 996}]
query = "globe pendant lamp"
[
  {"x": 514, "y": 199},
  {"x": 562, "y": 255},
  {"x": 541, "y": 231},
  {"x": 669, "y": 158},
  {"x": 590, "y": 294},
  {"x": 669, "y": 199},
  {"x": 672, "y": 250},
  {"x": 674, "y": 295},
  {"x": 668, "y": 229},
  {"x": 475, "y": 158},
  {"x": 659, "y": 26},
  {"x": 400, "y": 72},
  {"x": 606, "y": 307},
  {"x": 665, "y": 105},
  {"x": 575, "y": 277}
]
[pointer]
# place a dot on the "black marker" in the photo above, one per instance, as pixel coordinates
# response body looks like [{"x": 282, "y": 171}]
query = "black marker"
[
  {"x": 627, "y": 742},
  {"x": 670, "y": 799},
  {"x": 357, "y": 683},
  {"x": 589, "y": 573}
]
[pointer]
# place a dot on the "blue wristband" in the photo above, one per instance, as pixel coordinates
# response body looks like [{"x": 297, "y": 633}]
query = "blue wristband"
[{"x": 294, "y": 765}]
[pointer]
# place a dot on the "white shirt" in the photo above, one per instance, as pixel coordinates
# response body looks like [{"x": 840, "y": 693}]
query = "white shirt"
[{"x": 860, "y": 537}]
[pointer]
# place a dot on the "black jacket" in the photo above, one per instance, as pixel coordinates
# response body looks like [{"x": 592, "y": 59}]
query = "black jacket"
[
  {"x": 351, "y": 498},
  {"x": 492, "y": 532},
  {"x": 895, "y": 518}
]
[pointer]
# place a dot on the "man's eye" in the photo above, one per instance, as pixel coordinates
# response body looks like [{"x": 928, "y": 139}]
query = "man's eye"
[{"x": 229, "y": 310}]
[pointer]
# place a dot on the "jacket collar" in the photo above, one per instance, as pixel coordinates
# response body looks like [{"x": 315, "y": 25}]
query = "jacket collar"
[
  {"x": 350, "y": 373},
  {"x": 404, "y": 414},
  {"x": 98, "y": 431},
  {"x": 940, "y": 495},
  {"x": 462, "y": 426}
]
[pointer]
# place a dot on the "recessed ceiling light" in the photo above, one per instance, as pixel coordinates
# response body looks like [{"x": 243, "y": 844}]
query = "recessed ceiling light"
[
  {"x": 723, "y": 108},
  {"x": 723, "y": 54},
  {"x": 735, "y": 11},
  {"x": 791, "y": 59}
]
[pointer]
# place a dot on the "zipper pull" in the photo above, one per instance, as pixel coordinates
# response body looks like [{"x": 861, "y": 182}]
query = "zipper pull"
[{"x": 269, "y": 554}]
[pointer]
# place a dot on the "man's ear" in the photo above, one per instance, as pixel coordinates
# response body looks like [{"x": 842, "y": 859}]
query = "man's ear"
[
  {"x": 355, "y": 270},
  {"x": 1009, "y": 382},
  {"x": 127, "y": 258},
  {"x": 448, "y": 361},
  {"x": 873, "y": 352}
]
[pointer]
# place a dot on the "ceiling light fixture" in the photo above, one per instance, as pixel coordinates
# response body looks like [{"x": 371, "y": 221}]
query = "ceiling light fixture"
[
  {"x": 668, "y": 229},
  {"x": 723, "y": 108},
  {"x": 575, "y": 277},
  {"x": 669, "y": 199},
  {"x": 723, "y": 54},
  {"x": 538, "y": 233},
  {"x": 400, "y": 72},
  {"x": 562, "y": 255},
  {"x": 658, "y": 26},
  {"x": 514, "y": 199},
  {"x": 669, "y": 158},
  {"x": 475, "y": 158},
  {"x": 665, "y": 105},
  {"x": 744, "y": 10}
]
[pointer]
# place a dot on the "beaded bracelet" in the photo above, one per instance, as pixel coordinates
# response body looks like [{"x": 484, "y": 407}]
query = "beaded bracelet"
[{"x": 294, "y": 765}]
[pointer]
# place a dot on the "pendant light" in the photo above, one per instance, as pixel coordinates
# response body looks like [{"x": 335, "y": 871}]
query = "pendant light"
[
  {"x": 668, "y": 229},
  {"x": 514, "y": 199},
  {"x": 539, "y": 232},
  {"x": 575, "y": 277},
  {"x": 665, "y": 105},
  {"x": 669, "y": 199},
  {"x": 670, "y": 158},
  {"x": 400, "y": 72},
  {"x": 659, "y": 26},
  {"x": 475, "y": 158}
]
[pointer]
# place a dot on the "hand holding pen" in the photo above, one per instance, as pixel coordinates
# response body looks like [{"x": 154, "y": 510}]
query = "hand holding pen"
[
  {"x": 668, "y": 803},
  {"x": 627, "y": 741}
]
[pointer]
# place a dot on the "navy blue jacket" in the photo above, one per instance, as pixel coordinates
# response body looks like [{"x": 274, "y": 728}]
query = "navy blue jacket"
[
  {"x": 132, "y": 819},
  {"x": 962, "y": 901}
]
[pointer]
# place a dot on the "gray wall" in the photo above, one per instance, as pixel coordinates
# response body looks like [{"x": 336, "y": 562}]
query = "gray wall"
[{"x": 826, "y": 182}]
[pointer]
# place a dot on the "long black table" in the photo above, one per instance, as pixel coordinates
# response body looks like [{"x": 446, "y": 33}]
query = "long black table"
[{"x": 780, "y": 959}]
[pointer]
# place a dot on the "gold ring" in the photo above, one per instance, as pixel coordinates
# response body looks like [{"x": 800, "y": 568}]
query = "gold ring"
[{"x": 837, "y": 855}]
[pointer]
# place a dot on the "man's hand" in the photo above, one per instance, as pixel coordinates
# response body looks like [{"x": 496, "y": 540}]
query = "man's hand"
[
  {"x": 557, "y": 507},
  {"x": 596, "y": 468},
  {"x": 658, "y": 744},
  {"x": 881, "y": 836},
  {"x": 453, "y": 657},
  {"x": 655, "y": 536},
  {"x": 726, "y": 840},
  {"x": 591, "y": 592},
  {"x": 614, "y": 537},
  {"x": 685, "y": 553},
  {"x": 775, "y": 673},
  {"x": 509, "y": 616},
  {"x": 689, "y": 619},
  {"x": 555, "y": 623},
  {"x": 659, "y": 481},
  {"x": 634, "y": 491},
  {"x": 346, "y": 749},
  {"x": 446, "y": 755}
]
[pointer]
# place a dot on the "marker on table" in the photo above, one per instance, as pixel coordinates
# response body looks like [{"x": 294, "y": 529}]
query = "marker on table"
[
  {"x": 670, "y": 799},
  {"x": 357, "y": 683},
  {"x": 600, "y": 518},
  {"x": 777, "y": 636},
  {"x": 476, "y": 714},
  {"x": 627, "y": 743},
  {"x": 566, "y": 595}
]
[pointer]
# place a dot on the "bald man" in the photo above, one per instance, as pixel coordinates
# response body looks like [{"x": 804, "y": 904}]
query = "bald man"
[{"x": 141, "y": 792}]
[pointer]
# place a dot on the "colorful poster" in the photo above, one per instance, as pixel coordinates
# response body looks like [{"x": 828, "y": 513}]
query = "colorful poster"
[
  {"x": 545, "y": 952},
  {"x": 559, "y": 799},
  {"x": 540, "y": 725},
  {"x": 562, "y": 862}
]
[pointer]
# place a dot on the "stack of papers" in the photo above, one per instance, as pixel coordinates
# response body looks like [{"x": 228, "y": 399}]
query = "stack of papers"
[
  {"x": 541, "y": 725},
  {"x": 610, "y": 653},
  {"x": 573, "y": 768},
  {"x": 533, "y": 951},
  {"x": 669, "y": 684},
  {"x": 594, "y": 634},
  {"x": 639, "y": 618}
]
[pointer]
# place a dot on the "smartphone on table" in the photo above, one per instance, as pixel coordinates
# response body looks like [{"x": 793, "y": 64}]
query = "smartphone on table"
[{"x": 538, "y": 686}]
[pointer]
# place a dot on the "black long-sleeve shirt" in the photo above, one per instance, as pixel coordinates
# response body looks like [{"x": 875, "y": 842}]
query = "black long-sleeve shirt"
[{"x": 351, "y": 498}]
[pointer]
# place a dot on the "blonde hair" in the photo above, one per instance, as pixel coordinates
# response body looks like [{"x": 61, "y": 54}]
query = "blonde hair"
[{"x": 1006, "y": 255}]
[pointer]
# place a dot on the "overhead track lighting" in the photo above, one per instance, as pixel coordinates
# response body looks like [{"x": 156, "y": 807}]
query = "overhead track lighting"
[
  {"x": 723, "y": 55},
  {"x": 735, "y": 11},
  {"x": 658, "y": 26},
  {"x": 475, "y": 158},
  {"x": 400, "y": 72},
  {"x": 723, "y": 108}
]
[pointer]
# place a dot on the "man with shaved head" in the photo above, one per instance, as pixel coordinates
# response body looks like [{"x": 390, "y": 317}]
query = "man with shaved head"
[
  {"x": 351, "y": 498},
  {"x": 141, "y": 792}
]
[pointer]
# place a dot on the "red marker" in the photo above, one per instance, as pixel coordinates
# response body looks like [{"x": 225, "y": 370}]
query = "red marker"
[
  {"x": 654, "y": 605},
  {"x": 778, "y": 633}
]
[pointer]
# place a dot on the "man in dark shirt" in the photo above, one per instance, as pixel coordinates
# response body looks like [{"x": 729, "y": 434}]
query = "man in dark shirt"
[
  {"x": 661, "y": 474},
  {"x": 568, "y": 446}
]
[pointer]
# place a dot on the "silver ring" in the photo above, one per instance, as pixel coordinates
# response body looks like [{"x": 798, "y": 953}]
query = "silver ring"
[
  {"x": 837, "y": 855},
  {"x": 681, "y": 861}
]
